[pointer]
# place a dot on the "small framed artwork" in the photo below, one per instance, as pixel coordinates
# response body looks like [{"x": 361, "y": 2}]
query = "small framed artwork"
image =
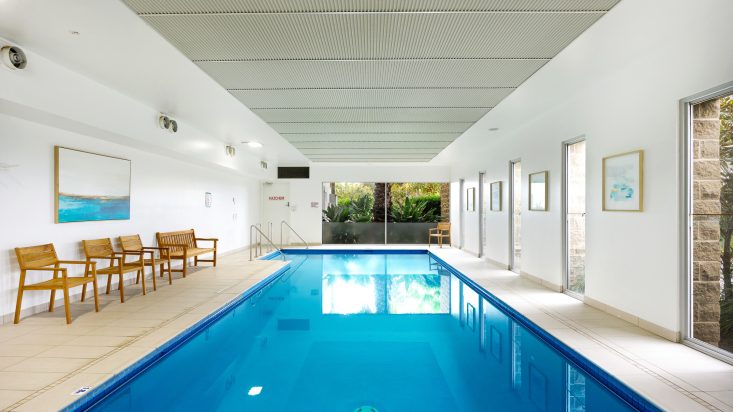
[
  {"x": 623, "y": 182},
  {"x": 471, "y": 199},
  {"x": 495, "y": 199},
  {"x": 538, "y": 191},
  {"x": 90, "y": 186}
]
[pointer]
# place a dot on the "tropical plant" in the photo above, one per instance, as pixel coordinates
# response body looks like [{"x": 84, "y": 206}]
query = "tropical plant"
[
  {"x": 360, "y": 210},
  {"x": 411, "y": 210},
  {"x": 335, "y": 213}
]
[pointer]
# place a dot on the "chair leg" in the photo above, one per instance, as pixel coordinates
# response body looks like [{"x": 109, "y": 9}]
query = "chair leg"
[
  {"x": 137, "y": 281},
  {"x": 121, "y": 287},
  {"x": 141, "y": 273},
  {"x": 155, "y": 285},
  {"x": 83, "y": 292},
  {"x": 170, "y": 272},
  {"x": 52, "y": 301},
  {"x": 66, "y": 304},
  {"x": 185, "y": 267},
  {"x": 109, "y": 283},
  {"x": 96, "y": 294},
  {"x": 215, "y": 257},
  {"x": 20, "y": 297}
]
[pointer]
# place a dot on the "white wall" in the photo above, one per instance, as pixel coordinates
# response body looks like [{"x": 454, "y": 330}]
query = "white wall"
[
  {"x": 166, "y": 194},
  {"x": 48, "y": 104},
  {"x": 619, "y": 85},
  {"x": 306, "y": 220}
]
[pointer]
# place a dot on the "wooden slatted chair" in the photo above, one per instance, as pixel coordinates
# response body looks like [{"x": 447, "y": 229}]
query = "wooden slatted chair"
[
  {"x": 133, "y": 243},
  {"x": 442, "y": 231},
  {"x": 102, "y": 249},
  {"x": 183, "y": 245},
  {"x": 44, "y": 258}
]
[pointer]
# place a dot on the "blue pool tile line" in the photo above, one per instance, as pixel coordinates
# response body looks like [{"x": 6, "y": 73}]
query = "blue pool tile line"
[
  {"x": 100, "y": 392},
  {"x": 609, "y": 381}
]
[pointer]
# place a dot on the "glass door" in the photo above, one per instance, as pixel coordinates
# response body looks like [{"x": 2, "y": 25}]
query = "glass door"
[
  {"x": 515, "y": 188},
  {"x": 574, "y": 206}
]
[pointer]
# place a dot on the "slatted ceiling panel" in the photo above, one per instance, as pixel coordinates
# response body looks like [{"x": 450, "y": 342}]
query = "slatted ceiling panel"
[
  {"x": 371, "y": 36},
  {"x": 294, "y": 98},
  {"x": 371, "y": 74},
  {"x": 368, "y": 145},
  {"x": 371, "y": 114},
  {"x": 370, "y": 80},
  {"x": 371, "y": 137},
  {"x": 290, "y": 6},
  {"x": 289, "y": 129}
]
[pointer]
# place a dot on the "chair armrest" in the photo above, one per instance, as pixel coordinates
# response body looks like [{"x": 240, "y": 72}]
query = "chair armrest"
[
  {"x": 209, "y": 239},
  {"x": 431, "y": 230},
  {"x": 76, "y": 262},
  {"x": 155, "y": 248},
  {"x": 48, "y": 269}
]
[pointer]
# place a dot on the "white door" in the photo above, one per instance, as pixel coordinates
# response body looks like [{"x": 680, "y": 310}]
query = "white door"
[{"x": 275, "y": 209}]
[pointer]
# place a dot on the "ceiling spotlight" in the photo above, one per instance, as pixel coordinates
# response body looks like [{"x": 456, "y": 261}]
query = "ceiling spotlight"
[
  {"x": 493, "y": 129},
  {"x": 231, "y": 151},
  {"x": 74, "y": 32},
  {"x": 253, "y": 144}
]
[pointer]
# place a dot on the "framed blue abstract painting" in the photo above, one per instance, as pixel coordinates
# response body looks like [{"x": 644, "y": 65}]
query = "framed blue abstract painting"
[
  {"x": 623, "y": 182},
  {"x": 90, "y": 186}
]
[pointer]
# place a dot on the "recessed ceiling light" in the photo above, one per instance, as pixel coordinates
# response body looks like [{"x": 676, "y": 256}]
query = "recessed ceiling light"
[
  {"x": 74, "y": 32},
  {"x": 493, "y": 129},
  {"x": 254, "y": 391},
  {"x": 253, "y": 144}
]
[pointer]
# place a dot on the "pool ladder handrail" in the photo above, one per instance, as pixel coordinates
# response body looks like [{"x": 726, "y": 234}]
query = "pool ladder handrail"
[
  {"x": 292, "y": 230},
  {"x": 258, "y": 245}
]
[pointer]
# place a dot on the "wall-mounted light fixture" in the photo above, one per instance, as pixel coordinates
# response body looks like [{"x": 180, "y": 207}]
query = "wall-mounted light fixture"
[{"x": 167, "y": 123}]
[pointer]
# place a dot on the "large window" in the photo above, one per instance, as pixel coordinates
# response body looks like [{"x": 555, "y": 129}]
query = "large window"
[
  {"x": 377, "y": 213},
  {"x": 710, "y": 220}
]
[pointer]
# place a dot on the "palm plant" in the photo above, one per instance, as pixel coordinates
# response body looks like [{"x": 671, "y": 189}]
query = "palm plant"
[
  {"x": 411, "y": 210},
  {"x": 360, "y": 210},
  {"x": 335, "y": 213}
]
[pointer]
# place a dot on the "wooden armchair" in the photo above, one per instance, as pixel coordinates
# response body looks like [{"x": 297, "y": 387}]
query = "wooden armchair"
[
  {"x": 183, "y": 245},
  {"x": 134, "y": 244},
  {"x": 44, "y": 258},
  {"x": 442, "y": 231},
  {"x": 102, "y": 249}
]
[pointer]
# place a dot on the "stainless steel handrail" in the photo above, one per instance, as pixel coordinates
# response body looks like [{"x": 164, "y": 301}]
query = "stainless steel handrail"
[
  {"x": 261, "y": 235},
  {"x": 292, "y": 230}
]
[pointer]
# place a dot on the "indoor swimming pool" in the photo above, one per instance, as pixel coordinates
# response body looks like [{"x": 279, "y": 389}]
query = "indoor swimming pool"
[{"x": 364, "y": 331}]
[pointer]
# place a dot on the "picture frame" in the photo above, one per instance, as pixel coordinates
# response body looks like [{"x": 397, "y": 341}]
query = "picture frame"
[
  {"x": 495, "y": 196},
  {"x": 623, "y": 182},
  {"x": 90, "y": 186},
  {"x": 471, "y": 199},
  {"x": 538, "y": 193}
]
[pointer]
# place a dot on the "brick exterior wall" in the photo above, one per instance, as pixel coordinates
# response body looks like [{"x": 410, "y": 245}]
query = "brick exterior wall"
[{"x": 706, "y": 222}]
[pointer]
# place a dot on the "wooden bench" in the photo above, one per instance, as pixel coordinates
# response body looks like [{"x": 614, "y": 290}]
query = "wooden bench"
[
  {"x": 183, "y": 245},
  {"x": 44, "y": 258}
]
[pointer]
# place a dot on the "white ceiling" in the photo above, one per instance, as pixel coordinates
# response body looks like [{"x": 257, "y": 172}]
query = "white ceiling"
[{"x": 370, "y": 80}]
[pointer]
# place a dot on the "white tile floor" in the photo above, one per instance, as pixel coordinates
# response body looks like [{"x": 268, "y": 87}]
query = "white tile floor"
[{"x": 42, "y": 360}]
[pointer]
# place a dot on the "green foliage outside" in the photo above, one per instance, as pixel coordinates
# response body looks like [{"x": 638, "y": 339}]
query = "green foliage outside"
[
  {"x": 412, "y": 210},
  {"x": 726, "y": 221}
]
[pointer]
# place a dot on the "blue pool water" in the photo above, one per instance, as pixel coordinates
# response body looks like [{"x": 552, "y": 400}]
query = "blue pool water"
[{"x": 340, "y": 331}]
